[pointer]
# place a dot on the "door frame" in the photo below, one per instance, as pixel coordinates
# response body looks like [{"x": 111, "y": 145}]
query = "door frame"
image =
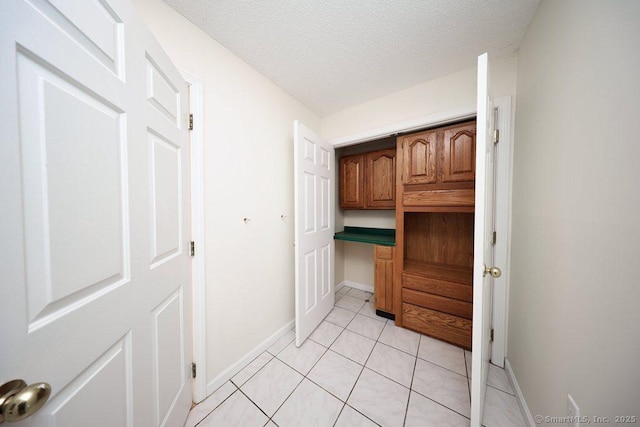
[
  {"x": 502, "y": 215},
  {"x": 502, "y": 195},
  {"x": 198, "y": 264}
]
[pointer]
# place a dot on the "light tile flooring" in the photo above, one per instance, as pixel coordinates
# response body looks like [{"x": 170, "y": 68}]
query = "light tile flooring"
[{"x": 357, "y": 369}]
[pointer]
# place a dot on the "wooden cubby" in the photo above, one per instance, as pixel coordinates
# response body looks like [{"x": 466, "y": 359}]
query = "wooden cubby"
[{"x": 437, "y": 291}]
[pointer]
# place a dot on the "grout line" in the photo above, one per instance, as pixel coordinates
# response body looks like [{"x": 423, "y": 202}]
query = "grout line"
[
  {"x": 440, "y": 403},
  {"x": 413, "y": 374},
  {"x": 256, "y": 405},
  {"x": 254, "y": 374},
  {"x": 500, "y": 390},
  {"x": 219, "y": 404},
  {"x": 439, "y": 366},
  {"x": 466, "y": 370},
  {"x": 376, "y": 423}
]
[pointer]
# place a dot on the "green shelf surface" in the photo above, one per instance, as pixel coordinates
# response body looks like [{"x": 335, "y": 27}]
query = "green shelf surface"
[{"x": 376, "y": 236}]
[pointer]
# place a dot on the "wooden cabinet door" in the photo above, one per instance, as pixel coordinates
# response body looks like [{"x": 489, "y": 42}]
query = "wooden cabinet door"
[
  {"x": 459, "y": 160},
  {"x": 419, "y": 158},
  {"x": 352, "y": 182},
  {"x": 380, "y": 181},
  {"x": 383, "y": 278}
]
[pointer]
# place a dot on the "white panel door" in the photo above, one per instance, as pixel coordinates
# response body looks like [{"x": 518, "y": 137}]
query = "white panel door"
[
  {"x": 94, "y": 273},
  {"x": 482, "y": 245},
  {"x": 314, "y": 171}
]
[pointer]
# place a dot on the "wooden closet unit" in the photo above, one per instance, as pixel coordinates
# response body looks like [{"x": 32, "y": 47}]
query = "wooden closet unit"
[{"x": 433, "y": 263}]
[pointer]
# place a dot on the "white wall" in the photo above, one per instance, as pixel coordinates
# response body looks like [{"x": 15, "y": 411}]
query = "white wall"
[
  {"x": 248, "y": 173},
  {"x": 457, "y": 90},
  {"x": 575, "y": 288},
  {"x": 448, "y": 93}
]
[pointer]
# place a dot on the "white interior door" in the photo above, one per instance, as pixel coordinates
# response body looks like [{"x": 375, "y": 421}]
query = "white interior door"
[
  {"x": 95, "y": 290},
  {"x": 482, "y": 246},
  {"x": 314, "y": 171}
]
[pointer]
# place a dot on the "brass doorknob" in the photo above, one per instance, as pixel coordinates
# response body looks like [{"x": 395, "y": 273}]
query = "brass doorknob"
[
  {"x": 18, "y": 401},
  {"x": 495, "y": 272}
]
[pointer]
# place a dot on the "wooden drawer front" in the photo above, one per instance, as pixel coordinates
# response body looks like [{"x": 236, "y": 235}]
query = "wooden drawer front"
[
  {"x": 438, "y": 303},
  {"x": 438, "y": 287},
  {"x": 445, "y": 327},
  {"x": 452, "y": 198},
  {"x": 383, "y": 252}
]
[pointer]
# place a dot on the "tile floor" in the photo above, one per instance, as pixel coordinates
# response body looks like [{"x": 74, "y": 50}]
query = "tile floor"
[{"x": 357, "y": 369}]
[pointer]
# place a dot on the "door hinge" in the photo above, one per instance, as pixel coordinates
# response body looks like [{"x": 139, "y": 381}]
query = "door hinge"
[
  {"x": 190, "y": 121},
  {"x": 496, "y": 136},
  {"x": 192, "y": 248},
  {"x": 193, "y": 370},
  {"x": 494, "y": 238},
  {"x": 490, "y": 339}
]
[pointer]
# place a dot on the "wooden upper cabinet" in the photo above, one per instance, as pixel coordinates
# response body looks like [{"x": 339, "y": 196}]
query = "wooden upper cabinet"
[
  {"x": 352, "y": 182},
  {"x": 419, "y": 153},
  {"x": 459, "y": 153},
  {"x": 380, "y": 179},
  {"x": 368, "y": 181}
]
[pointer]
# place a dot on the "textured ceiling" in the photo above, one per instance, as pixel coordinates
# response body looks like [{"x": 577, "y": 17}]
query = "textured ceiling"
[{"x": 334, "y": 54}]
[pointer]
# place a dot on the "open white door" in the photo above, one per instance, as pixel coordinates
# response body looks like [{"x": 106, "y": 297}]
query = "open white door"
[
  {"x": 95, "y": 293},
  {"x": 314, "y": 177},
  {"x": 482, "y": 245}
]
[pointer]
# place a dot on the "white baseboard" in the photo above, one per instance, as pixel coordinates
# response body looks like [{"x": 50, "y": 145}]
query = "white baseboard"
[
  {"x": 232, "y": 370},
  {"x": 367, "y": 288},
  {"x": 526, "y": 414},
  {"x": 340, "y": 286}
]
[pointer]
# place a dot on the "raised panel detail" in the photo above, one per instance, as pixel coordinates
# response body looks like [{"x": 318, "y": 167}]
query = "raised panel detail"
[
  {"x": 324, "y": 161},
  {"x": 163, "y": 95},
  {"x": 168, "y": 362},
  {"x": 309, "y": 203},
  {"x": 100, "y": 396},
  {"x": 352, "y": 182},
  {"x": 380, "y": 179},
  {"x": 311, "y": 283},
  {"x": 419, "y": 158},
  {"x": 325, "y": 256},
  {"x": 74, "y": 192},
  {"x": 459, "y": 154},
  {"x": 94, "y": 25},
  {"x": 325, "y": 203},
  {"x": 166, "y": 198},
  {"x": 383, "y": 277},
  {"x": 310, "y": 151}
]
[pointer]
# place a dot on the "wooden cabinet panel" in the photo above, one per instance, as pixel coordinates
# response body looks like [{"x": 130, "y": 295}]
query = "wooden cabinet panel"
[
  {"x": 380, "y": 179},
  {"x": 419, "y": 158},
  {"x": 352, "y": 182},
  {"x": 383, "y": 278},
  {"x": 446, "y": 327},
  {"x": 459, "y": 161}
]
